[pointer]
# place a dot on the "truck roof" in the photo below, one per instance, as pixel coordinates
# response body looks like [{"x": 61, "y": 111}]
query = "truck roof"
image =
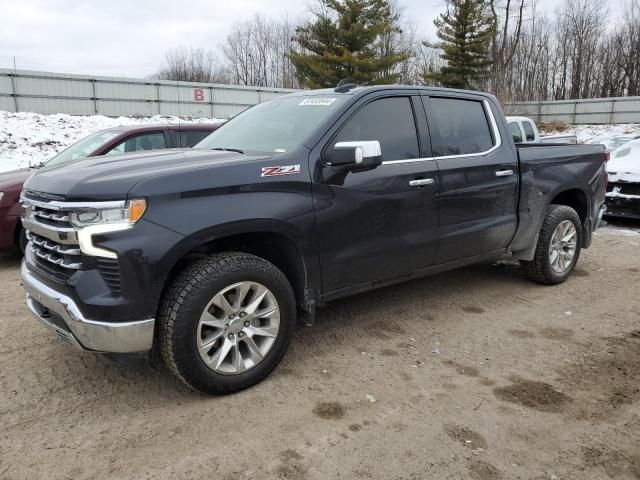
[{"x": 361, "y": 90}]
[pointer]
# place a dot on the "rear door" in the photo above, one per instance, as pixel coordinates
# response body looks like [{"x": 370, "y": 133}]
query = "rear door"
[
  {"x": 380, "y": 223},
  {"x": 478, "y": 177}
]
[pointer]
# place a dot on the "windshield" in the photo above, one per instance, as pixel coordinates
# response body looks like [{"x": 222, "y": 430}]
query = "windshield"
[
  {"x": 83, "y": 148},
  {"x": 276, "y": 126}
]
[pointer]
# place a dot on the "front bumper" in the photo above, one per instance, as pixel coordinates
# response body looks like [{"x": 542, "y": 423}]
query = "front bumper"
[
  {"x": 623, "y": 205},
  {"x": 61, "y": 314}
]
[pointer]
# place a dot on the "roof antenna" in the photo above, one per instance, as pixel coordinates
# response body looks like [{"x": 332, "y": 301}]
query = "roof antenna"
[{"x": 345, "y": 85}]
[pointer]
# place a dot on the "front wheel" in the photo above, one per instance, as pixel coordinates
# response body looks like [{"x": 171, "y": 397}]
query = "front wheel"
[
  {"x": 226, "y": 322},
  {"x": 558, "y": 248}
]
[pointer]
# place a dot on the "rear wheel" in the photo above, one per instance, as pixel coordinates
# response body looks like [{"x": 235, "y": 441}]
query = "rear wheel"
[
  {"x": 558, "y": 248},
  {"x": 226, "y": 322}
]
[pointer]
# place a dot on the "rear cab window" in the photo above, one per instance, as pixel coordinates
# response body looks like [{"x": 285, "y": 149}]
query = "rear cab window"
[
  {"x": 516, "y": 133},
  {"x": 529, "y": 131},
  {"x": 458, "y": 126}
]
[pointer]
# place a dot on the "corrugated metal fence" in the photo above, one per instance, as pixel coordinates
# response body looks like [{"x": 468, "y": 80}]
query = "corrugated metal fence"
[
  {"x": 591, "y": 111},
  {"x": 44, "y": 92}
]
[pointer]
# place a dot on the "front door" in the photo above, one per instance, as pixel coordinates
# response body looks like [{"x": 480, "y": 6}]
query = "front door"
[
  {"x": 478, "y": 177},
  {"x": 381, "y": 223}
]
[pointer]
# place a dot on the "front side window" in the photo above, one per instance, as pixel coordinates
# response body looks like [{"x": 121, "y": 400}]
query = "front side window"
[
  {"x": 147, "y": 141},
  {"x": 528, "y": 131},
  {"x": 388, "y": 120},
  {"x": 458, "y": 127},
  {"x": 514, "y": 129}
]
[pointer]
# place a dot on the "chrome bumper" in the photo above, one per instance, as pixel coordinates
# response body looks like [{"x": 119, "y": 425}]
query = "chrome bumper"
[{"x": 58, "y": 311}]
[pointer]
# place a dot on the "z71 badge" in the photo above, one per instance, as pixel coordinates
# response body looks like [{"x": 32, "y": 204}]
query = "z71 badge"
[{"x": 282, "y": 170}]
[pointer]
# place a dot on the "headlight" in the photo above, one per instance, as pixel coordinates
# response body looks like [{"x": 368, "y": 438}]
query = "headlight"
[
  {"x": 96, "y": 221},
  {"x": 126, "y": 215},
  {"x": 1, "y": 195}
]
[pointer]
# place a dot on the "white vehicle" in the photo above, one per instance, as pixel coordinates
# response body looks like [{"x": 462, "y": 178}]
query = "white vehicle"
[
  {"x": 613, "y": 142},
  {"x": 623, "y": 189},
  {"x": 524, "y": 130}
]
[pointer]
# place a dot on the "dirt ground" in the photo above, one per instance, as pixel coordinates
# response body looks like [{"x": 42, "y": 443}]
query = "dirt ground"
[{"x": 475, "y": 373}]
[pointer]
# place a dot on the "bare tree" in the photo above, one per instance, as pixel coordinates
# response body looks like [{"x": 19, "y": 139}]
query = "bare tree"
[
  {"x": 256, "y": 53},
  {"x": 191, "y": 65},
  {"x": 573, "y": 52}
]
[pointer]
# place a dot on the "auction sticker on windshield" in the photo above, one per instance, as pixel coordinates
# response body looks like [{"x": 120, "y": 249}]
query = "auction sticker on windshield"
[{"x": 318, "y": 101}]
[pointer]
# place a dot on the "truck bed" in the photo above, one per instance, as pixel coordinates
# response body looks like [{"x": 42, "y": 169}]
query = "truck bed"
[{"x": 544, "y": 169}]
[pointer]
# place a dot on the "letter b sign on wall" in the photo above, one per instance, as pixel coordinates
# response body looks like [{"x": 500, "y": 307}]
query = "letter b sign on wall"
[{"x": 198, "y": 94}]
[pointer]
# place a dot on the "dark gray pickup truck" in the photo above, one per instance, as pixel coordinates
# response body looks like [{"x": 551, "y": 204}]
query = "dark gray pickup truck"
[{"x": 208, "y": 256}]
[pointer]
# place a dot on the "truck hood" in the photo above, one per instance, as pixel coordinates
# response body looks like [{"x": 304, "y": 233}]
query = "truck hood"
[
  {"x": 9, "y": 181},
  {"x": 112, "y": 177},
  {"x": 624, "y": 165}
]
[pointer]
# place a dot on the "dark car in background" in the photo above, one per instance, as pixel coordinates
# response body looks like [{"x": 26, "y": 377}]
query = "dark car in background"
[{"x": 112, "y": 141}]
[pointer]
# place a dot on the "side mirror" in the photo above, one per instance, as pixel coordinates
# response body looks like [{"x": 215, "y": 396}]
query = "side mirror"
[{"x": 358, "y": 155}]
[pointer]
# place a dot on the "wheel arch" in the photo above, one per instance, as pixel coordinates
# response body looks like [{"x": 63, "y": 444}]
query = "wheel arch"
[
  {"x": 575, "y": 198},
  {"x": 273, "y": 241}
]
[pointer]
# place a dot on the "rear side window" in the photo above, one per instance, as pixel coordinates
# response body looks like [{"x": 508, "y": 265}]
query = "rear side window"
[
  {"x": 514, "y": 129},
  {"x": 528, "y": 131},
  {"x": 147, "y": 141},
  {"x": 458, "y": 127},
  {"x": 188, "y": 139},
  {"x": 388, "y": 120}
]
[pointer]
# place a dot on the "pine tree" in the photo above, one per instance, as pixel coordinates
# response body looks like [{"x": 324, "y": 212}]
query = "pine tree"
[
  {"x": 341, "y": 43},
  {"x": 465, "y": 31}
]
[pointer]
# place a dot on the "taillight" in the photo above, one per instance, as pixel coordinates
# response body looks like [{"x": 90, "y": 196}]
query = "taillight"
[{"x": 607, "y": 156}]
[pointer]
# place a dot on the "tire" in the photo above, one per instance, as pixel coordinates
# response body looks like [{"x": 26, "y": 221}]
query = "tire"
[
  {"x": 22, "y": 240},
  {"x": 190, "y": 299},
  {"x": 542, "y": 269}
]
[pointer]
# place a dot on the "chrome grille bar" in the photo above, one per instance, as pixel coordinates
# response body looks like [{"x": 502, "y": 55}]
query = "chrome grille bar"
[
  {"x": 51, "y": 216},
  {"x": 56, "y": 261},
  {"x": 59, "y": 249}
]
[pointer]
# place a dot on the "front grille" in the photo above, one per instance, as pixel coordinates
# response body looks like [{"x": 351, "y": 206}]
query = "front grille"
[
  {"x": 57, "y": 260},
  {"x": 624, "y": 188},
  {"x": 53, "y": 241}
]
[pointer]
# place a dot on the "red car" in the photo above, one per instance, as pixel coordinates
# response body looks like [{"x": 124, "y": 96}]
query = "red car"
[{"x": 113, "y": 141}]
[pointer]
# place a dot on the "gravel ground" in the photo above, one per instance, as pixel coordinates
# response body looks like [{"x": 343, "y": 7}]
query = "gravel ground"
[{"x": 475, "y": 373}]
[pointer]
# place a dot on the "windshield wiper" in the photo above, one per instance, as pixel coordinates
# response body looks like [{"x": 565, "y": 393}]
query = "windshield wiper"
[{"x": 237, "y": 150}]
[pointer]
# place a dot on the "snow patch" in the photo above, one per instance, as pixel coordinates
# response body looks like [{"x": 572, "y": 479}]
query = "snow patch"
[
  {"x": 624, "y": 165},
  {"x": 591, "y": 133},
  {"x": 30, "y": 138}
]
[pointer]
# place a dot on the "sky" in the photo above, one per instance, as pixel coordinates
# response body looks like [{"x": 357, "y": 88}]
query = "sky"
[{"x": 129, "y": 37}]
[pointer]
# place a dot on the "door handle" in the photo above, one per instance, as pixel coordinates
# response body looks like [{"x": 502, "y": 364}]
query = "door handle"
[
  {"x": 421, "y": 182},
  {"x": 504, "y": 173}
]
